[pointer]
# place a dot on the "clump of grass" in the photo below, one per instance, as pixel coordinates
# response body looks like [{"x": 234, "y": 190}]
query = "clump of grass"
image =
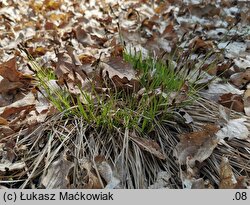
[
  {"x": 91, "y": 124},
  {"x": 121, "y": 109}
]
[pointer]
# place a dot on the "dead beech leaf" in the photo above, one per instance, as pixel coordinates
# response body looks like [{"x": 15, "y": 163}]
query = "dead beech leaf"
[
  {"x": 8, "y": 70},
  {"x": 227, "y": 178},
  {"x": 196, "y": 146},
  {"x": 57, "y": 174},
  {"x": 232, "y": 101},
  {"x": 150, "y": 146}
]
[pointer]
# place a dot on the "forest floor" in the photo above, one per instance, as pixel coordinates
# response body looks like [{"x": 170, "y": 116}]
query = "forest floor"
[{"x": 125, "y": 94}]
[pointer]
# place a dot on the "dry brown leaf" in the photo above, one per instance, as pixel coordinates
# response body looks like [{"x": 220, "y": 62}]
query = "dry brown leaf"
[
  {"x": 8, "y": 70},
  {"x": 150, "y": 146},
  {"x": 235, "y": 128},
  {"x": 3, "y": 121},
  {"x": 196, "y": 146},
  {"x": 232, "y": 101},
  {"x": 57, "y": 173},
  {"x": 162, "y": 7},
  {"x": 90, "y": 179},
  {"x": 26, "y": 103},
  {"x": 6, "y": 85},
  {"x": 83, "y": 36},
  {"x": 120, "y": 72},
  {"x": 117, "y": 66},
  {"x": 5, "y": 131},
  {"x": 198, "y": 45},
  {"x": 240, "y": 79},
  {"x": 227, "y": 178}
]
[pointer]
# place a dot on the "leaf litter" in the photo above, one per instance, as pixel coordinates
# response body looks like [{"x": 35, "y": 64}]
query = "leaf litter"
[{"x": 82, "y": 45}]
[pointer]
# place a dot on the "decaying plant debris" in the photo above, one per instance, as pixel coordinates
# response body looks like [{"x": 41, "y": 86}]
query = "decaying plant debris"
[{"x": 124, "y": 94}]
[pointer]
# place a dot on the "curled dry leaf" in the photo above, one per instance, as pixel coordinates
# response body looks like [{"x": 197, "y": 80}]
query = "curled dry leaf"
[
  {"x": 150, "y": 146},
  {"x": 235, "y": 128},
  {"x": 57, "y": 173},
  {"x": 196, "y": 146}
]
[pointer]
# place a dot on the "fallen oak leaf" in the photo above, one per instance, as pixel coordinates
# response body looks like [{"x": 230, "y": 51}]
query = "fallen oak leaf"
[
  {"x": 121, "y": 73},
  {"x": 196, "y": 146},
  {"x": 8, "y": 70},
  {"x": 200, "y": 46},
  {"x": 25, "y": 103},
  {"x": 117, "y": 66}
]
